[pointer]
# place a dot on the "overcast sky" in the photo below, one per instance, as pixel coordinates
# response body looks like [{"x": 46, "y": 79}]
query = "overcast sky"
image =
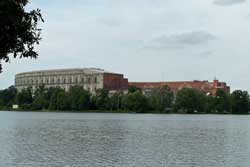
[{"x": 146, "y": 40}]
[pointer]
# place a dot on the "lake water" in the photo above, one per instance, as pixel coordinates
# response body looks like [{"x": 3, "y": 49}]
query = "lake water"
[{"x": 123, "y": 140}]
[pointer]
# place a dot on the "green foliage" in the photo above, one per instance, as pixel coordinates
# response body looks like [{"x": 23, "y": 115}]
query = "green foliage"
[
  {"x": 115, "y": 101},
  {"x": 7, "y": 97},
  {"x": 210, "y": 105},
  {"x": 40, "y": 100},
  {"x": 101, "y": 99},
  {"x": 132, "y": 89},
  {"x": 79, "y": 98},
  {"x": 18, "y": 29},
  {"x": 190, "y": 101},
  {"x": 1, "y": 102},
  {"x": 52, "y": 96},
  {"x": 24, "y": 97},
  {"x": 161, "y": 99},
  {"x": 135, "y": 101},
  {"x": 240, "y": 102},
  {"x": 63, "y": 102},
  {"x": 39, "y": 103},
  {"x": 222, "y": 102}
]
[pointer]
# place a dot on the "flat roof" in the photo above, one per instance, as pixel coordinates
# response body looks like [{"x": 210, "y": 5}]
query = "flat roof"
[{"x": 84, "y": 70}]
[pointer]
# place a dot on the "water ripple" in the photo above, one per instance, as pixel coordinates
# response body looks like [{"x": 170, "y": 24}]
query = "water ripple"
[{"x": 123, "y": 140}]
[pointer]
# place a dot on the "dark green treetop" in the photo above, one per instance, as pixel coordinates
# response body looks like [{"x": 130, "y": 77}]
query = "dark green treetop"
[
  {"x": 161, "y": 98},
  {"x": 190, "y": 101},
  {"x": 240, "y": 102},
  {"x": 223, "y": 102},
  {"x": 18, "y": 30}
]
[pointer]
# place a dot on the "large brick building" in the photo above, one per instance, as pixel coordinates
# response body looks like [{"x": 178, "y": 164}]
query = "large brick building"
[
  {"x": 210, "y": 88},
  {"x": 89, "y": 78},
  {"x": 92, "y": 79}
]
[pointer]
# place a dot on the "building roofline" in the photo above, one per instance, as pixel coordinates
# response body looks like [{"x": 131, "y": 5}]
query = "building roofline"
[
  {"x": 94, "y": 70},
  {"x": 155, "y": 82}
]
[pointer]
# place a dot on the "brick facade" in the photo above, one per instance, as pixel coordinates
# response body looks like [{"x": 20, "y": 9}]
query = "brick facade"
[
  {"x": 114, "y": 82},
  {"x": 204, "y": 86},
  {"x": 93, "y": 78}
]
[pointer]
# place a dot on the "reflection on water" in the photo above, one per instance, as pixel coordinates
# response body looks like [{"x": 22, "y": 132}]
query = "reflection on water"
[{"x": 123, "y": 140}]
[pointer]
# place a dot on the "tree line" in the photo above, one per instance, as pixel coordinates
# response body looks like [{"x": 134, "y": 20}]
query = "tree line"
[{"x": 159, "y": 100}]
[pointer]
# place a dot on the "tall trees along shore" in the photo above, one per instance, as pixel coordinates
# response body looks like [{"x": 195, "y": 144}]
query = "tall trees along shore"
[{"x": 160, "y": 100}]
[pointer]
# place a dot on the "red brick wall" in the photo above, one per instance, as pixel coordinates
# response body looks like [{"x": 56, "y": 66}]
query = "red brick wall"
[
  {"x": 204, "y": 86},
  {"x": 115, "y": 82},
  {"x": 125, "y": 84}
]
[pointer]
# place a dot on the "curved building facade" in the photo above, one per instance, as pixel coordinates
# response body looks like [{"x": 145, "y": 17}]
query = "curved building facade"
[{"x": 90, "y": 79}]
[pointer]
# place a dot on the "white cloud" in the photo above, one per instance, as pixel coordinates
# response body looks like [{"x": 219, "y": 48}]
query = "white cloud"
[
  {"x": 181, "y": 37},
  {"x": 181, "y": 40},
  {"x": 228, "y": 2}
]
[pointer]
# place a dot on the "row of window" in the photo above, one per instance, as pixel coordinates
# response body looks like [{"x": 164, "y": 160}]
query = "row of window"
[
  {"x": 88, "y": 88},
  {"x": 57, "y": 81}
]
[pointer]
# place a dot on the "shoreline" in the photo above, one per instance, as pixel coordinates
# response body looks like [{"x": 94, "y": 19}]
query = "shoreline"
[{"x": 117, "y": 112}]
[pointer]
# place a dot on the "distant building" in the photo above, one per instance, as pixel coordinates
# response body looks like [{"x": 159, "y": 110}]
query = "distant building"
[
  {"x": 15, "y": 106},
  {"x": 90, "y": 79},
  {"x": 209, "y": 88}
]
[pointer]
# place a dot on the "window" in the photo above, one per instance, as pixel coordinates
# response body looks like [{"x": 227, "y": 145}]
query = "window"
[
  {"x": 82, "y": 80},
  {"x": 95, "y": 80}
]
